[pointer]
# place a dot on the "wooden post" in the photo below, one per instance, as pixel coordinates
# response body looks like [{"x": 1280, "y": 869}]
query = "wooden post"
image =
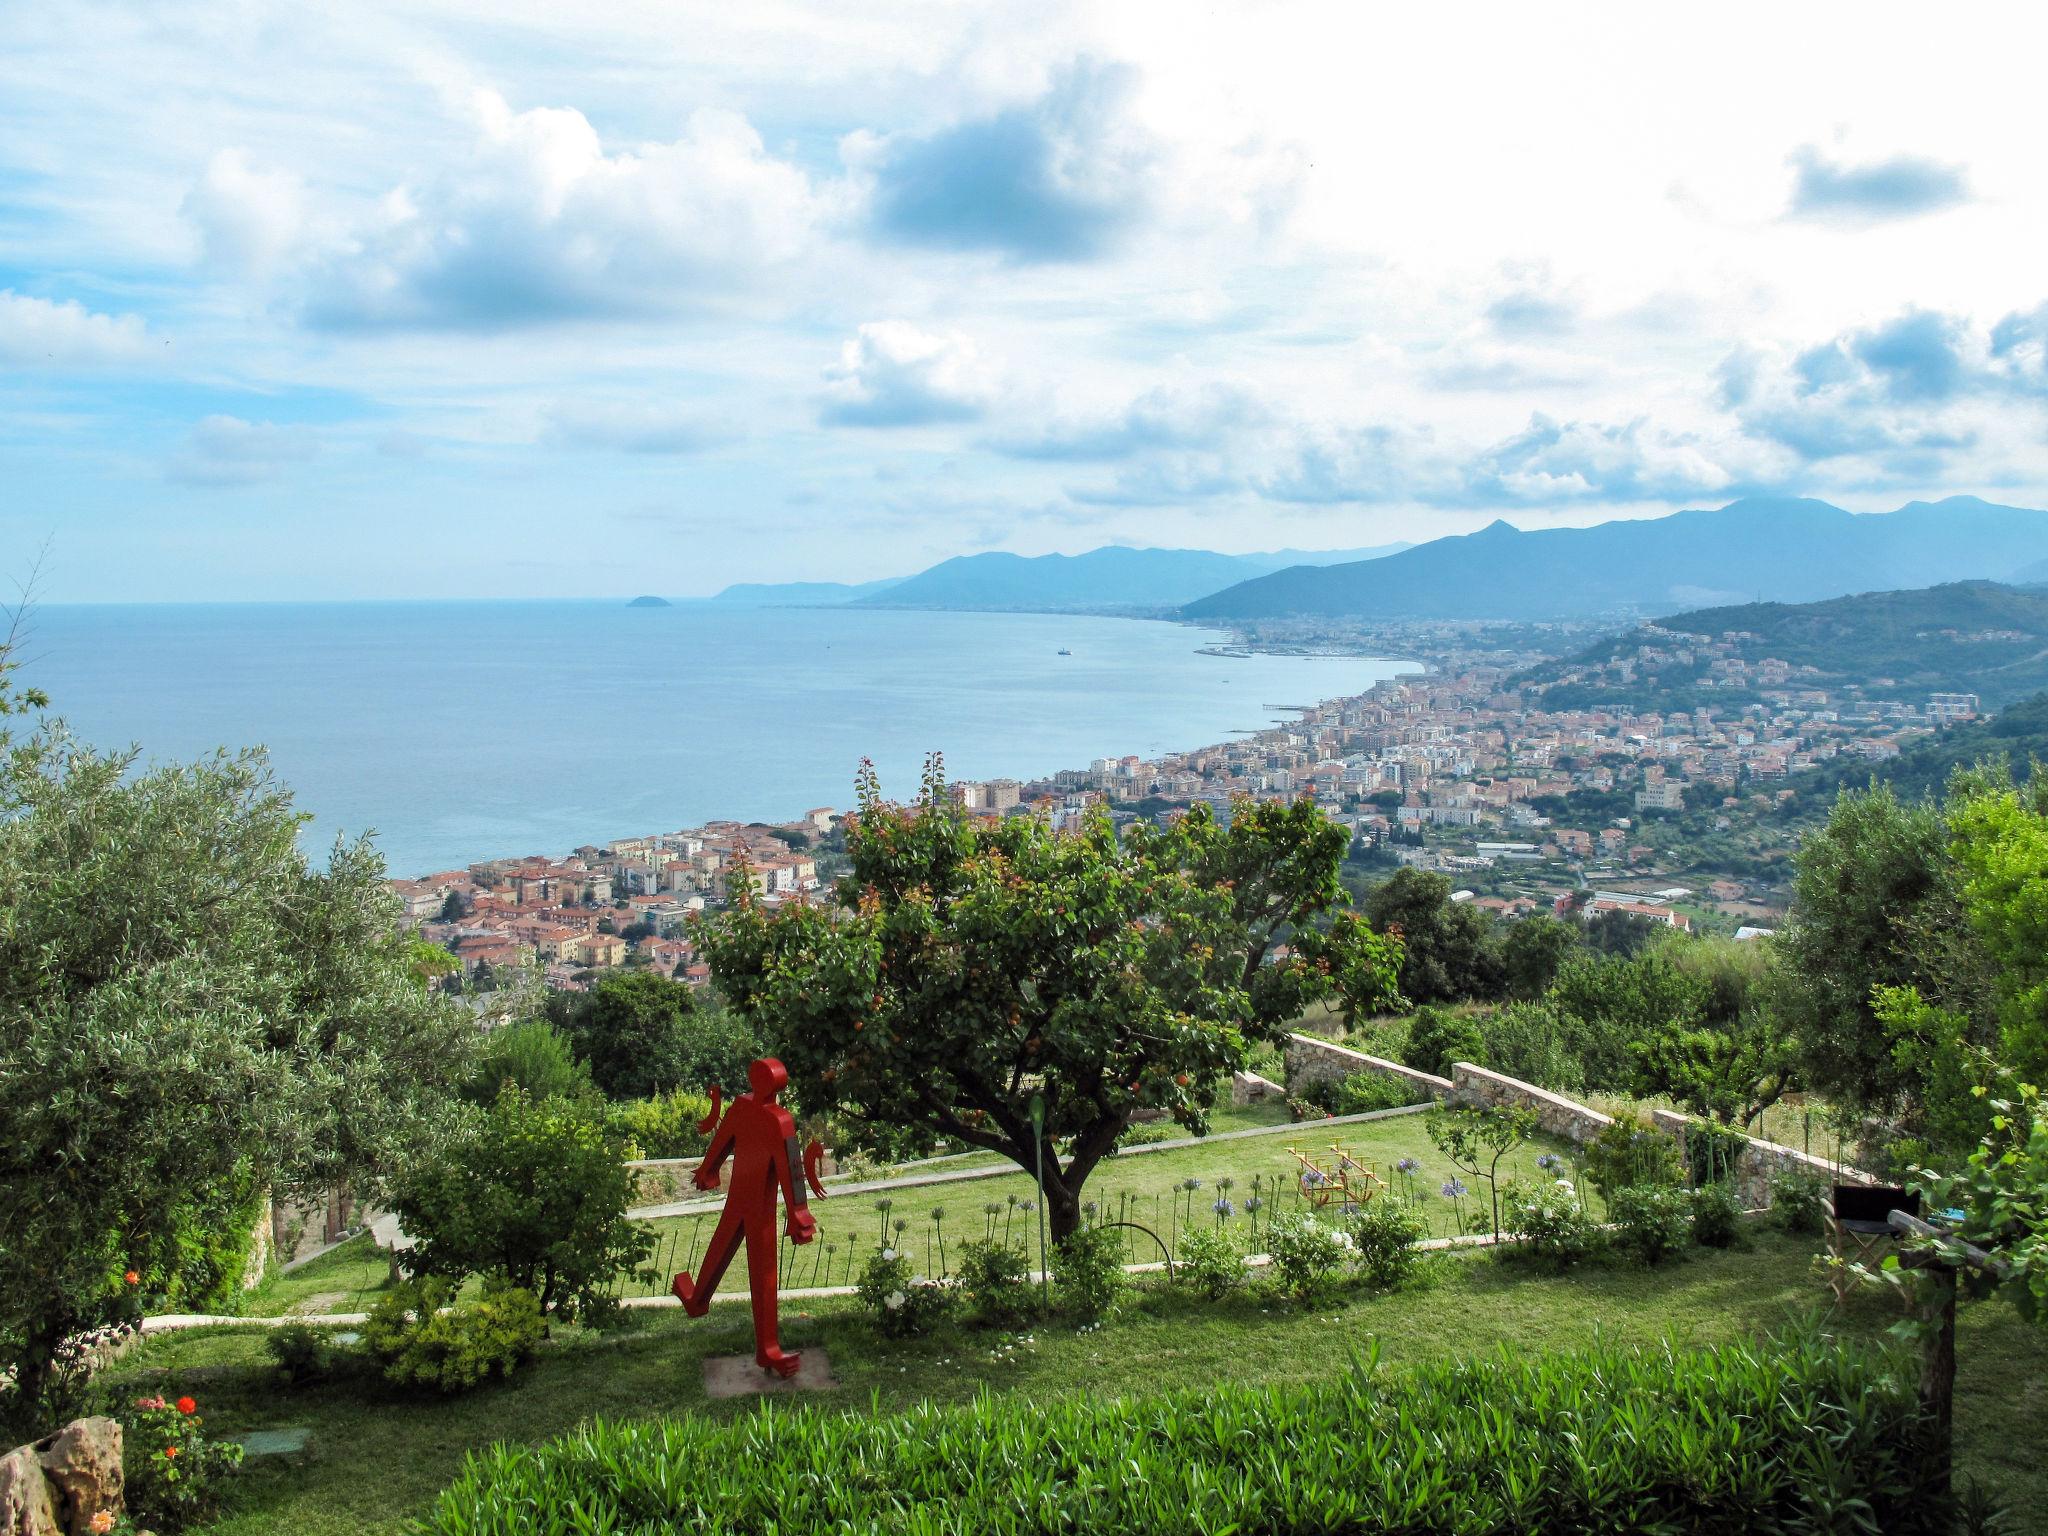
[{"x": 1938, "y": 1373}]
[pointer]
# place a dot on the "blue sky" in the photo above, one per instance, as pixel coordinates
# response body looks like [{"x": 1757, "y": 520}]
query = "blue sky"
[{"x": 447, "y": 299}]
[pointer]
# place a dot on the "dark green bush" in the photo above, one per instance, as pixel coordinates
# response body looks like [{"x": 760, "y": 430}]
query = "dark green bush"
[
  {"x": 1797, "y": 1201},
  {"x": 1210, "y": 1263},
  {"x": 1716, "y": 1216},
  {"x": 1809, "y": 1436},
  {"x": 303, "y": 1353},
  {"x": 1384, "y": 1232},
  {"x": 1437, "y": 1038},
  {"x": 1651, "y": 1221},
  {"x": 1629, "y": 1153},
  {"x": 900, "y": 1303},
  {"x": 1088, "y": 1273},
  {"x": 1363, "y": 1092},
  {"x": 425, "y": 1339},
  {"x": 995, "y": 1279}
]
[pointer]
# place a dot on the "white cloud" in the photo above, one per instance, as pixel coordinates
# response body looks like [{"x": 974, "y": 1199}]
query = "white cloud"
[
  {"x": 635, "y": 427},
  {"x": 247, "y": 217},
  {"x": 540, "y": 222},
  {"x": 227, "y": 450},
  {"x": 63, "y": 333},
  {"x": 892, "y": 374}
]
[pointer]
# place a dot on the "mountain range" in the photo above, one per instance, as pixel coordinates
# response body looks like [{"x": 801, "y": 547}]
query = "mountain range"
[
  {"x": 1759, "y": 549},
  {"x": 1107, "y": 579}
]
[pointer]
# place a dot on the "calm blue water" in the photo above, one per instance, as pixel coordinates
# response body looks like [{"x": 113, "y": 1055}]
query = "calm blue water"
[{"x": 462, "y": 731}]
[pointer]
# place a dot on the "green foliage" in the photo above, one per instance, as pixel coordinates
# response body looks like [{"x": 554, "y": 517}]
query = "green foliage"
[
  {"x": 1716, "y": 1217},
  {"x": 1476, "y": 1139},
  {"x": 426, "y": 1338},
  {"x": 1808, "y": 1435},
  {"x": 303, "y": 1353},
  {"x": 1363, "y": 1092},
  {"x": 1533, "y": 1042},
  {"x": 1629, "y": 1154},
  {"x": 1088, "y": 1273},
  {"x": 532, "y": 1054},
  {"x": 642, "y": 1034},
  {"x": 1446, "y": 949},
  {"x": 900, "y": 1304},
  {"x": 664, "y": 1126},
  {"x": 1711, "y": 1152},
  {"x": 188, "y": 1012},
  {"x": 1551, "y": 1225},
  {"x": 1651, "y": 1221},
  {"x": 1364, "y": 966},
  {"x": 1531, "y": 951},
  {"x": 969, "y": 967},
  {"x": 1877, "y": 904},
  {"x": 1999, "y": 836},
  {"x": 995, "y": 1279},
  {"x": 532, "y": 1191},
  {"x": 1210, "y": 1263},
  {"x": 1437, "y": 1038},
  {"x": 1798, "y": 1201},
  {"x": 1606, "y": 1006},
  {"x": 1383, "y": 1233},
  {"x": 2002, "y": 1191},
  {"x": 1306, "y": 1253},
  {"x": 175, "y": 1476}
]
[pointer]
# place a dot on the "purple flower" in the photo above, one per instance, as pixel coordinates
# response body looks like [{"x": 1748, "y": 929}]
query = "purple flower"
[
  {"x": 1454, "y": 1189},
  {"x": 1547, "y": 1160},
  {"x": 1406, "y": 1165}
]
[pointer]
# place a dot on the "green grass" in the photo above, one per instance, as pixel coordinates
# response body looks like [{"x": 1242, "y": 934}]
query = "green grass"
[
  {"x": 346, "y": 1278},
  {"x": 377, "y": 1457},
  {"x": 1145, "y": 1187}
]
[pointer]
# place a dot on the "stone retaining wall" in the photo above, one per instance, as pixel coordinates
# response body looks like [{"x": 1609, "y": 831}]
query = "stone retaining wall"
[
  {"x": 1317, "y": 1063},
  {"x": 62, "y": 1481},
  {"x": 1757, "y": 1161},
  {"x": 1555, "y": 1114}
]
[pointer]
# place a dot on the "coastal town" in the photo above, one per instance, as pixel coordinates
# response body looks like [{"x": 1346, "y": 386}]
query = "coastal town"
[{"x": 1460, "y": 769}]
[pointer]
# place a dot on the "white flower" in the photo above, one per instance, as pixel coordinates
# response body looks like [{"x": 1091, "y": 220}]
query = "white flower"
[
  {"x": 1565, "y": 1185},
  {"x": 888, "y": 1255},
  {"x": 893, "y": 1301}
]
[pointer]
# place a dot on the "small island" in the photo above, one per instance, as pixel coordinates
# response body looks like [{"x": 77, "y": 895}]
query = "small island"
[{"x": 649, "y": 602}]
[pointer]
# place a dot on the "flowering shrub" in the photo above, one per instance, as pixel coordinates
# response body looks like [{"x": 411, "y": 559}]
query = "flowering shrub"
[
  {"x": 176, "y": 1476},
  {"x": 1384, "y": 1233},
  {"x": 1210, "y": 1263},
  {"x": 1797, "y": 1201},
  {"x": 1305, "y": 1253},
  {"x": 452, "y": 1350},
  {"x": 1551, "y": 1221},
  {"x": 1716, "y": 1216},
  {"x": 902, "y": 1305},
  {"x": 1088, "y": 1273},
  {"x": 995, "y": 1279},
  {"x": 1651, "y": 1220}
]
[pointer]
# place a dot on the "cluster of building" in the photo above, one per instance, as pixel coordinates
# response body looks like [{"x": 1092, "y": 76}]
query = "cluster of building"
[{"x": 1459, "y": 769}]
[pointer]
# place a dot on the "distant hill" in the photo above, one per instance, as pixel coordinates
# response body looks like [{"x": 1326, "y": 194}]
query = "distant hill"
[
  {"x": 1763, "y": 548},
  {"x": 1113, "y": 577},
  {"x": 648, "y": 602},
  {"x": 801, "y": 594},
  {"x": 1968, "y": 637}
]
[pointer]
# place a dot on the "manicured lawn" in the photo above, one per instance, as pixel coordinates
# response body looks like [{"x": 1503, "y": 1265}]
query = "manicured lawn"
[
  {"x": 376, "y": 1457},
  {"x": 344, "y": 1279},
  {"x": 1141, "y": 1186}
]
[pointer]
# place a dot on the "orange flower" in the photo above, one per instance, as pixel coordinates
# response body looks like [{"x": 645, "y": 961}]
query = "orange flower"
[
  {"x": 132, "y": 1278},
  {"x": 187, "y": 1407},
  {"x": 170, "y": 1453}
]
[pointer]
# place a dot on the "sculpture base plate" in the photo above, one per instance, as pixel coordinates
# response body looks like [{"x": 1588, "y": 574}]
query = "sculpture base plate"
[{"x": 738, "y": 1376}]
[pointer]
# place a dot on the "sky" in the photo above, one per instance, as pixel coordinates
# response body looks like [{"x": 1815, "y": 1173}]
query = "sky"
[{"x": 464, "y": 299}]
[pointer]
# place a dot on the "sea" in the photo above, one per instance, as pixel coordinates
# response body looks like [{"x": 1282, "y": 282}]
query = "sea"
[{"x": 460, "y": 731}]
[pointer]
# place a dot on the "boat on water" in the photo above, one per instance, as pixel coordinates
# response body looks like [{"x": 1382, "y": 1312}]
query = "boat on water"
[{"x": 1065, "y": 652}]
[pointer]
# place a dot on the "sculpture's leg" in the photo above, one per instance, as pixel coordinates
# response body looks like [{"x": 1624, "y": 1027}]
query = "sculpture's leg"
[
  {"x": 725, "y": 1239},
  {"x": 761, "y": 1246}
]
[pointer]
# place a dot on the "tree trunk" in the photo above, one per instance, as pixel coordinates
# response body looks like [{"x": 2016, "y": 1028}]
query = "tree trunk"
[{"x": 1938, "y": 1374}]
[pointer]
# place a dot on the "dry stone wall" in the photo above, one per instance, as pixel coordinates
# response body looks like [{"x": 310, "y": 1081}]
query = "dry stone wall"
[
  {"x": 1314, "y": 1063},
  {"x": 56, "y": 1486}
]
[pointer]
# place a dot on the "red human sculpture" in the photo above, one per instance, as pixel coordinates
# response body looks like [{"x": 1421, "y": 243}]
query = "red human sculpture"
[{"x": 760, "y": 1137}]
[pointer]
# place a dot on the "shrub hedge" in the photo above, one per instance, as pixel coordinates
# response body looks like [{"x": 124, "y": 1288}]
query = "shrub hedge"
[{"x": 1802, "y": 1436}]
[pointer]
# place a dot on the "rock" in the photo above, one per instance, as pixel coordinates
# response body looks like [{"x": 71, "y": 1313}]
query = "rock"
[
  {"x": 25, "y": 1508},
  {"x": 81, "y": 1465}
]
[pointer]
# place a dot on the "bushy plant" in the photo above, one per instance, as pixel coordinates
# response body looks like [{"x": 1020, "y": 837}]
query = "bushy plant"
[
  {"x": 1437, "y": 1038},
  {"x": 175, "y": 1475},
  {"x": 1088, "y": 1273},
  {"x": 664, "y": 1125},
  {"x": 1306, "y": 1253},
  {"x": 303, "y": 1353},
  {"x": 1808, "y": 1435},
  {"x": 1383, "y": 1235},
  {"x": 901, "y": 1304},
  {"x": 1716, "y": 1216},
  {"x": 1145, "y": 1133},
  {"x": 1798, "y": 1201},
  {"x": 1533, "y": 1042},
  {"x": 1551, "y": 1223},
  {"x": 1711, "y": 1151},
  {"x": 1363, "y": 1092},
  {"x": 1210, "y": 1263},
  {"x": 425, "y": 1338},
  {"x": 1652, "y": 1221},
  {"x": 1629, "y": 1153},
  {"x": 995, "y": 1280},
  {"x": 531, "y": 1190}
]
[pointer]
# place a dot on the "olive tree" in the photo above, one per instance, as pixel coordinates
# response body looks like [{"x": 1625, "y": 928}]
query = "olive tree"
[{"x": 965, "y": 969}]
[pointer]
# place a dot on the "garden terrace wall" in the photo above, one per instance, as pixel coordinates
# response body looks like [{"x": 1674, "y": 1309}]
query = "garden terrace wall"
[
  {"x": 1556, "y": 1115},
  {"x": 1314, "y": 1063},
  {"x": 1758, "y": 1161}
]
